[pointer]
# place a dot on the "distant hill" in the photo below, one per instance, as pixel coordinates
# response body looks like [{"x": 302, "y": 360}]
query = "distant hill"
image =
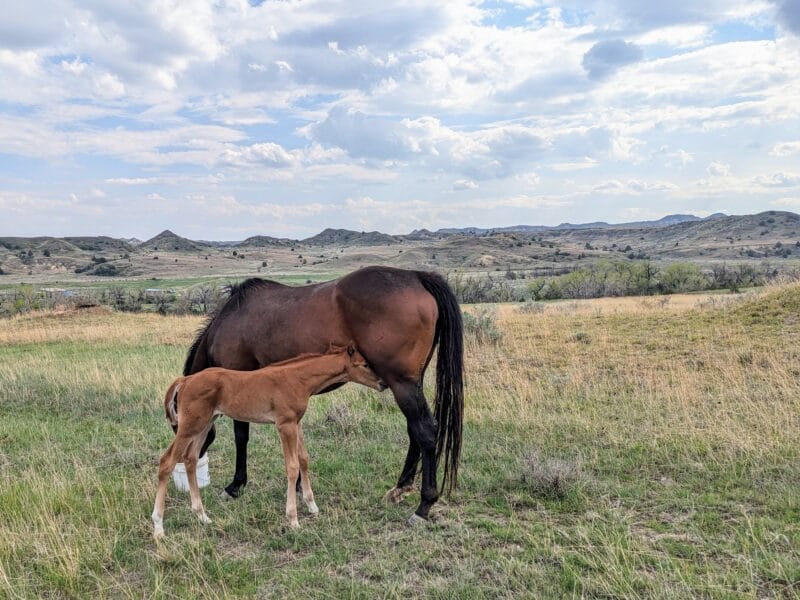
[
  {"x": 662, "y": 222},
  {"x": 66, "y": 244},
  {"x": 347, "y": 237},
  {"x": 421, "y": 234},
  {"x": 166, "y": 240},
  {"x": 98, "y": 243},
  {"x": 266, "y": 241},
  {"x": 771, "y": 238}
]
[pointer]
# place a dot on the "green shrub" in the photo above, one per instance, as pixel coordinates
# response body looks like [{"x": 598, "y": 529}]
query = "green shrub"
[
  {"x": 482, "y": 326},
  {"x": 682, "y": 277}
]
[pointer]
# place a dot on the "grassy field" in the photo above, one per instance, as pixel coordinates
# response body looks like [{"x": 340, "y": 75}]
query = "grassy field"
[
  {"x": 631, "y": 448},
  {"x": 173, "y": 283}
]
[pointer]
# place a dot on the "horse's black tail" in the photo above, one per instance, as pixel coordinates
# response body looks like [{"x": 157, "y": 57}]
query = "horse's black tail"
[{"x": 449, "y": 404}]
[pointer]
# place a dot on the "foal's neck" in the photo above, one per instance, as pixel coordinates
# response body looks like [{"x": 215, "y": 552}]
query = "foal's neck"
[{"x": 317, "y": 373}]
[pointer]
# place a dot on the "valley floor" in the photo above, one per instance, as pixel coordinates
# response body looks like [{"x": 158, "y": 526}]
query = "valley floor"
[{"x": 647, "y": 449}]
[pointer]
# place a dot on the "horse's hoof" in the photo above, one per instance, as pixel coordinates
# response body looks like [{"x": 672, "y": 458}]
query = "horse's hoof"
[
  {"x": 294, "y": 524},
  {"x": 393, "y": 495},
  {"x": 227, "y": 496},
  {"x": 204, "y": 518},
  {"x": 396, "y": 494},
  {"x": 234, "y": 491},
  {"x": 158, "y": 535},
  {"x": 313, "y": 508},
  {"x": 416, "y": 521}
]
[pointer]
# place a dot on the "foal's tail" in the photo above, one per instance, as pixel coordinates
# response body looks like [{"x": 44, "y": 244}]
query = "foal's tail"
[
  {"x": 171, "y": 403},
  {"x": 449, "y": 404}
]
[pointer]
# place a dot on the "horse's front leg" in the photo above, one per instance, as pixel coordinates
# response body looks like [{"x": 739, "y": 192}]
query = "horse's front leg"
[{"x": 241, "y": 433}]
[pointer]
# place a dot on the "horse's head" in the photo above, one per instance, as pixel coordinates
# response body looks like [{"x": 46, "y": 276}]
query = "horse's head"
[{"x": 358, "y": 369}]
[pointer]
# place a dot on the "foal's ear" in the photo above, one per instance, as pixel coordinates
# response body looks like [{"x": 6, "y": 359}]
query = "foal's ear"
[{"x": 351, "y": 348}]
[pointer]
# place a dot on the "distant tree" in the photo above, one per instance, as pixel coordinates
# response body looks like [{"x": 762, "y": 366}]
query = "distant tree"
[
  {"x": 46, "y": 252},
  {"x": 682, "y": 277}
]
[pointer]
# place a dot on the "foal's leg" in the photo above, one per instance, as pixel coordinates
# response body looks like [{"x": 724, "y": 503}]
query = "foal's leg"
[
  {"x": 288, "y": 434},
  {"x": 305, "y": 480},
  {"x": 166, "y": 465},
  {"x": 190, "y": 462}
]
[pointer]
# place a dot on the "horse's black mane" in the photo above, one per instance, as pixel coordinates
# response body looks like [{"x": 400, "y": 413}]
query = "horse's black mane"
[{"x": 237, "y": 292}]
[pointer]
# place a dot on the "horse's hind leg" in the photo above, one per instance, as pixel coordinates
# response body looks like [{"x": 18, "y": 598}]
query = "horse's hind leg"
[
  {"x": 405, "y": 484},
  {"x": 305, "y": 479},
  {"x": 288, "y": 434},
  {"x": 422, "y": 431}
]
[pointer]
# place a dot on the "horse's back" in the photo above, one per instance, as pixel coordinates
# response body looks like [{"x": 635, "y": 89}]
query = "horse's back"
[
  {"x": 386, "y": 311},
  {"x": 274, "y": 322}
]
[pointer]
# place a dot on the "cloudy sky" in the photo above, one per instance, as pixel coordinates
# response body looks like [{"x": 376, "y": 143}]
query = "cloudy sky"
[{"x": 224, "y": 119}]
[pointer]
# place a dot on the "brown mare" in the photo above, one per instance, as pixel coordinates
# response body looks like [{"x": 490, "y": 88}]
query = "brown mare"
[
  {"x": 395, "y": 317},
  {"x": 277, "y": 394}
]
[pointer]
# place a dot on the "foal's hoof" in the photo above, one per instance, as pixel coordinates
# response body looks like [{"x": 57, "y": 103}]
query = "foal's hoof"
[
  {"x": 416, "y": 521},
  {"x": 396, "y": 494},
  {"x": 204, "y": 518}
]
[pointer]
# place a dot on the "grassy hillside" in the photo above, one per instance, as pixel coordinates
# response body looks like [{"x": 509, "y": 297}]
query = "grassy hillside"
[{"x": 631, "y": 448}]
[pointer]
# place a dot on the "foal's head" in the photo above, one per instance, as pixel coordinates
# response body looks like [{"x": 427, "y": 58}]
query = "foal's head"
[{"x": 358, "y": 369}]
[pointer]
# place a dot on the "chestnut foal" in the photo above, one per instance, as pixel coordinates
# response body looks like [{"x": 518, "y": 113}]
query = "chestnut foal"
[{"x": 277, "y": 394}]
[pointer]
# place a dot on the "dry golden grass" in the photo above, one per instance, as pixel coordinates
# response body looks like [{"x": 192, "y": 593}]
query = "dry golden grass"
[
  {"x": 681, "y": 374},
  {"x": 620, "y": 305},
  {"x": 98, "y": 324}
]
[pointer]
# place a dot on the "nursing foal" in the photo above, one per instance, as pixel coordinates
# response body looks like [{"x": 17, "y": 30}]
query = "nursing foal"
[{"x": 277, "y": 394}]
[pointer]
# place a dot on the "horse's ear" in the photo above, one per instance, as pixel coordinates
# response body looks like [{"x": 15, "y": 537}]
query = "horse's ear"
[{"x": 351, "y": 348}]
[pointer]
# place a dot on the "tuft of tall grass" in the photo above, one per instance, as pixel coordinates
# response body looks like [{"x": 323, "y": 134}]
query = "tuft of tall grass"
[{"x": 551, "y": 477}]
